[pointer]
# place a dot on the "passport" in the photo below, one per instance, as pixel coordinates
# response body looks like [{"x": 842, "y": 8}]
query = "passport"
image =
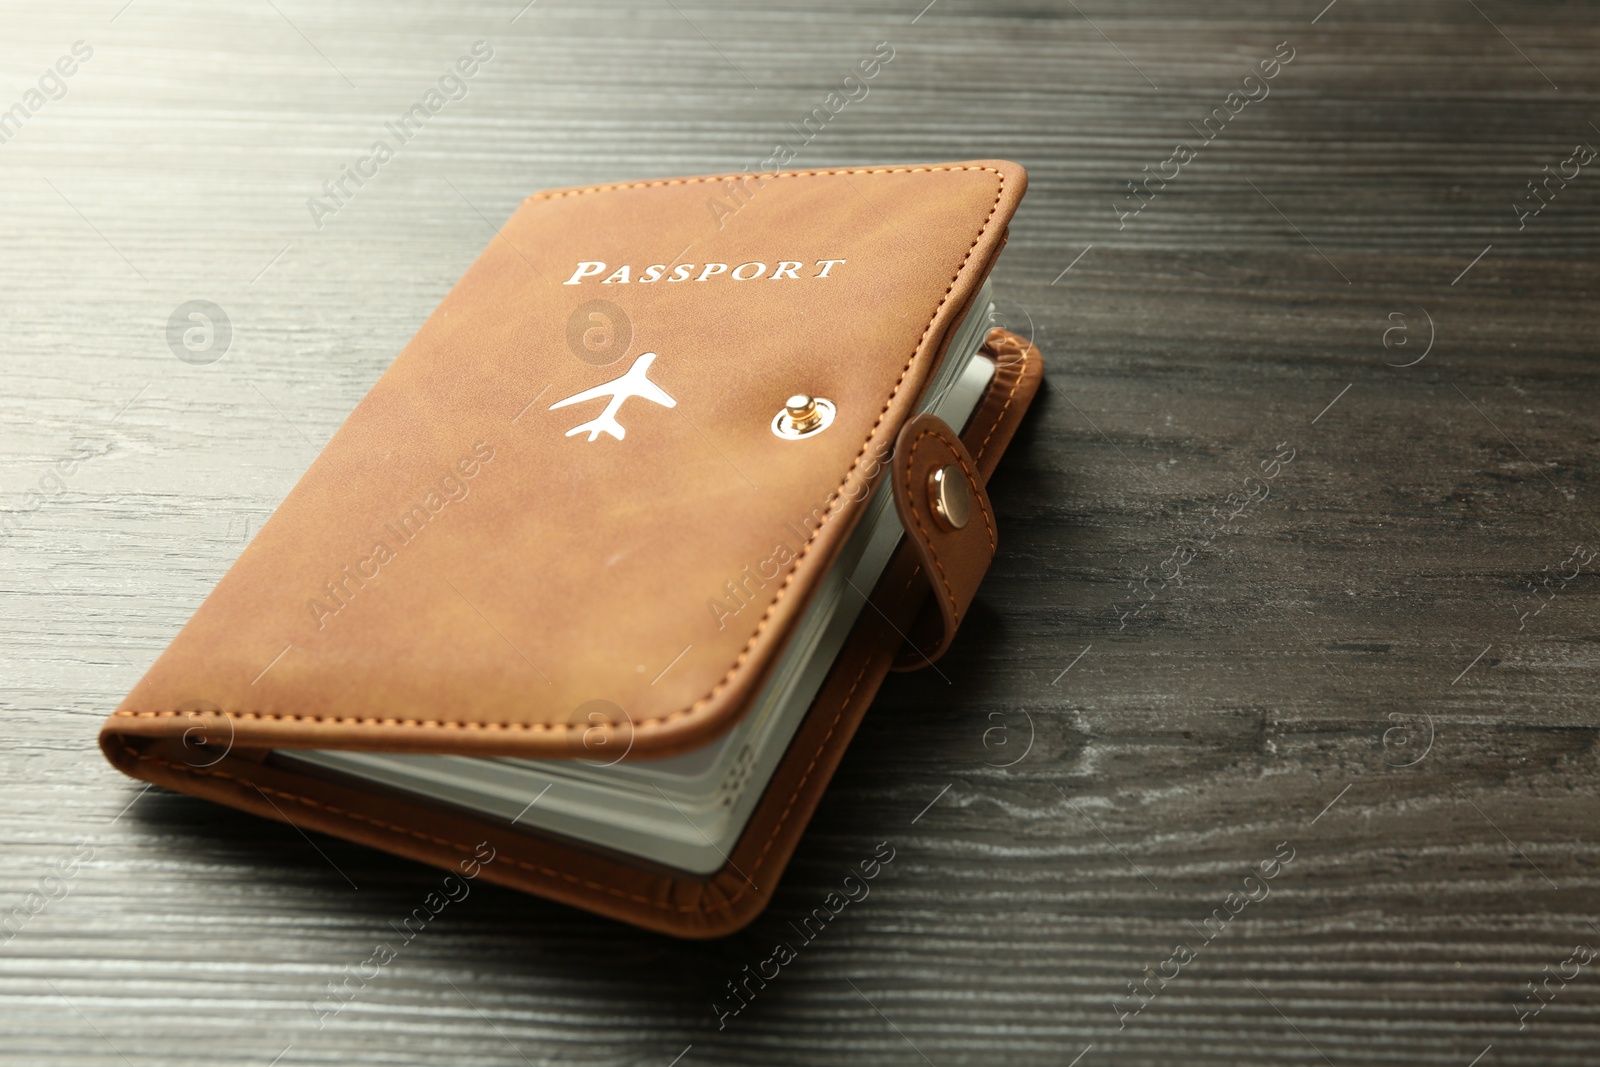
[{"x": 603, "y": 572}]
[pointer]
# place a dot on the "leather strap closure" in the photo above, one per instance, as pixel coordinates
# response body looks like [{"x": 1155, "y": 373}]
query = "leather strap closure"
[{"x": 950, "y": 525}]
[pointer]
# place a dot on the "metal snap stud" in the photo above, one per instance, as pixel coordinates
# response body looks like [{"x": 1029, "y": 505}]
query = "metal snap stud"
[
  {"x": 951, "y": 495},
  {"x": 803, "y": 415}
]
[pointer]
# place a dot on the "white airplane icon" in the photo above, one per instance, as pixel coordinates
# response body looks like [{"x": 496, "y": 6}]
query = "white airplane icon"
[{"x": 634, "y": 383}]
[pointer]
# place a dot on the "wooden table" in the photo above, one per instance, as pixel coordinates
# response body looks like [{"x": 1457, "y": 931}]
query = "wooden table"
[{"x": 1371, "y": 667}]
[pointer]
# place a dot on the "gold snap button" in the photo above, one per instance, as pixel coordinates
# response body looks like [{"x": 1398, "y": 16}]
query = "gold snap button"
[
  {"x": 803, "y": 412},
  {"x": 951, "y": 496},
  {"x": 803, "y": 415}
]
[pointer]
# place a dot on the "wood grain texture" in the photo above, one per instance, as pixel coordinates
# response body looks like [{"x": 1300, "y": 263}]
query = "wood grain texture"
[{"x": 1364, "y": 665}]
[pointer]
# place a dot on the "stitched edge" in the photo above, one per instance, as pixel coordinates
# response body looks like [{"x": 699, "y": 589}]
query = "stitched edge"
[
  {"x": 828, "y": 515},
  {"x": 1021, "y": 363},
  {"x": 699, "y": 907},
  {"x": 769, "y": 174}
]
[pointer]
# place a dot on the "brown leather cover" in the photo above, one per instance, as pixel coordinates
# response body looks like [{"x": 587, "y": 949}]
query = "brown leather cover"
[
  {"x": 630, "y": 890},
  {"x": 457, "y": 573},
  {"x": 463, "y": 571}
]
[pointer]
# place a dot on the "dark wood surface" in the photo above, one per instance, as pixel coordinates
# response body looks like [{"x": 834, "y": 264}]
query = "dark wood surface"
[{"x": 1384, "y": 664}]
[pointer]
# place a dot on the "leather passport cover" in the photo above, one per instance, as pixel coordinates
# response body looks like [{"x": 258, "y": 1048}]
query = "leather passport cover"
[{"x": 562, "y": 522}]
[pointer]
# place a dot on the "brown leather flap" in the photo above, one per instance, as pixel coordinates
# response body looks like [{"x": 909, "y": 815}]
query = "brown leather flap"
[
  {"x": 563, "y": 511},
  {"x": 950, "y": 525}
]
